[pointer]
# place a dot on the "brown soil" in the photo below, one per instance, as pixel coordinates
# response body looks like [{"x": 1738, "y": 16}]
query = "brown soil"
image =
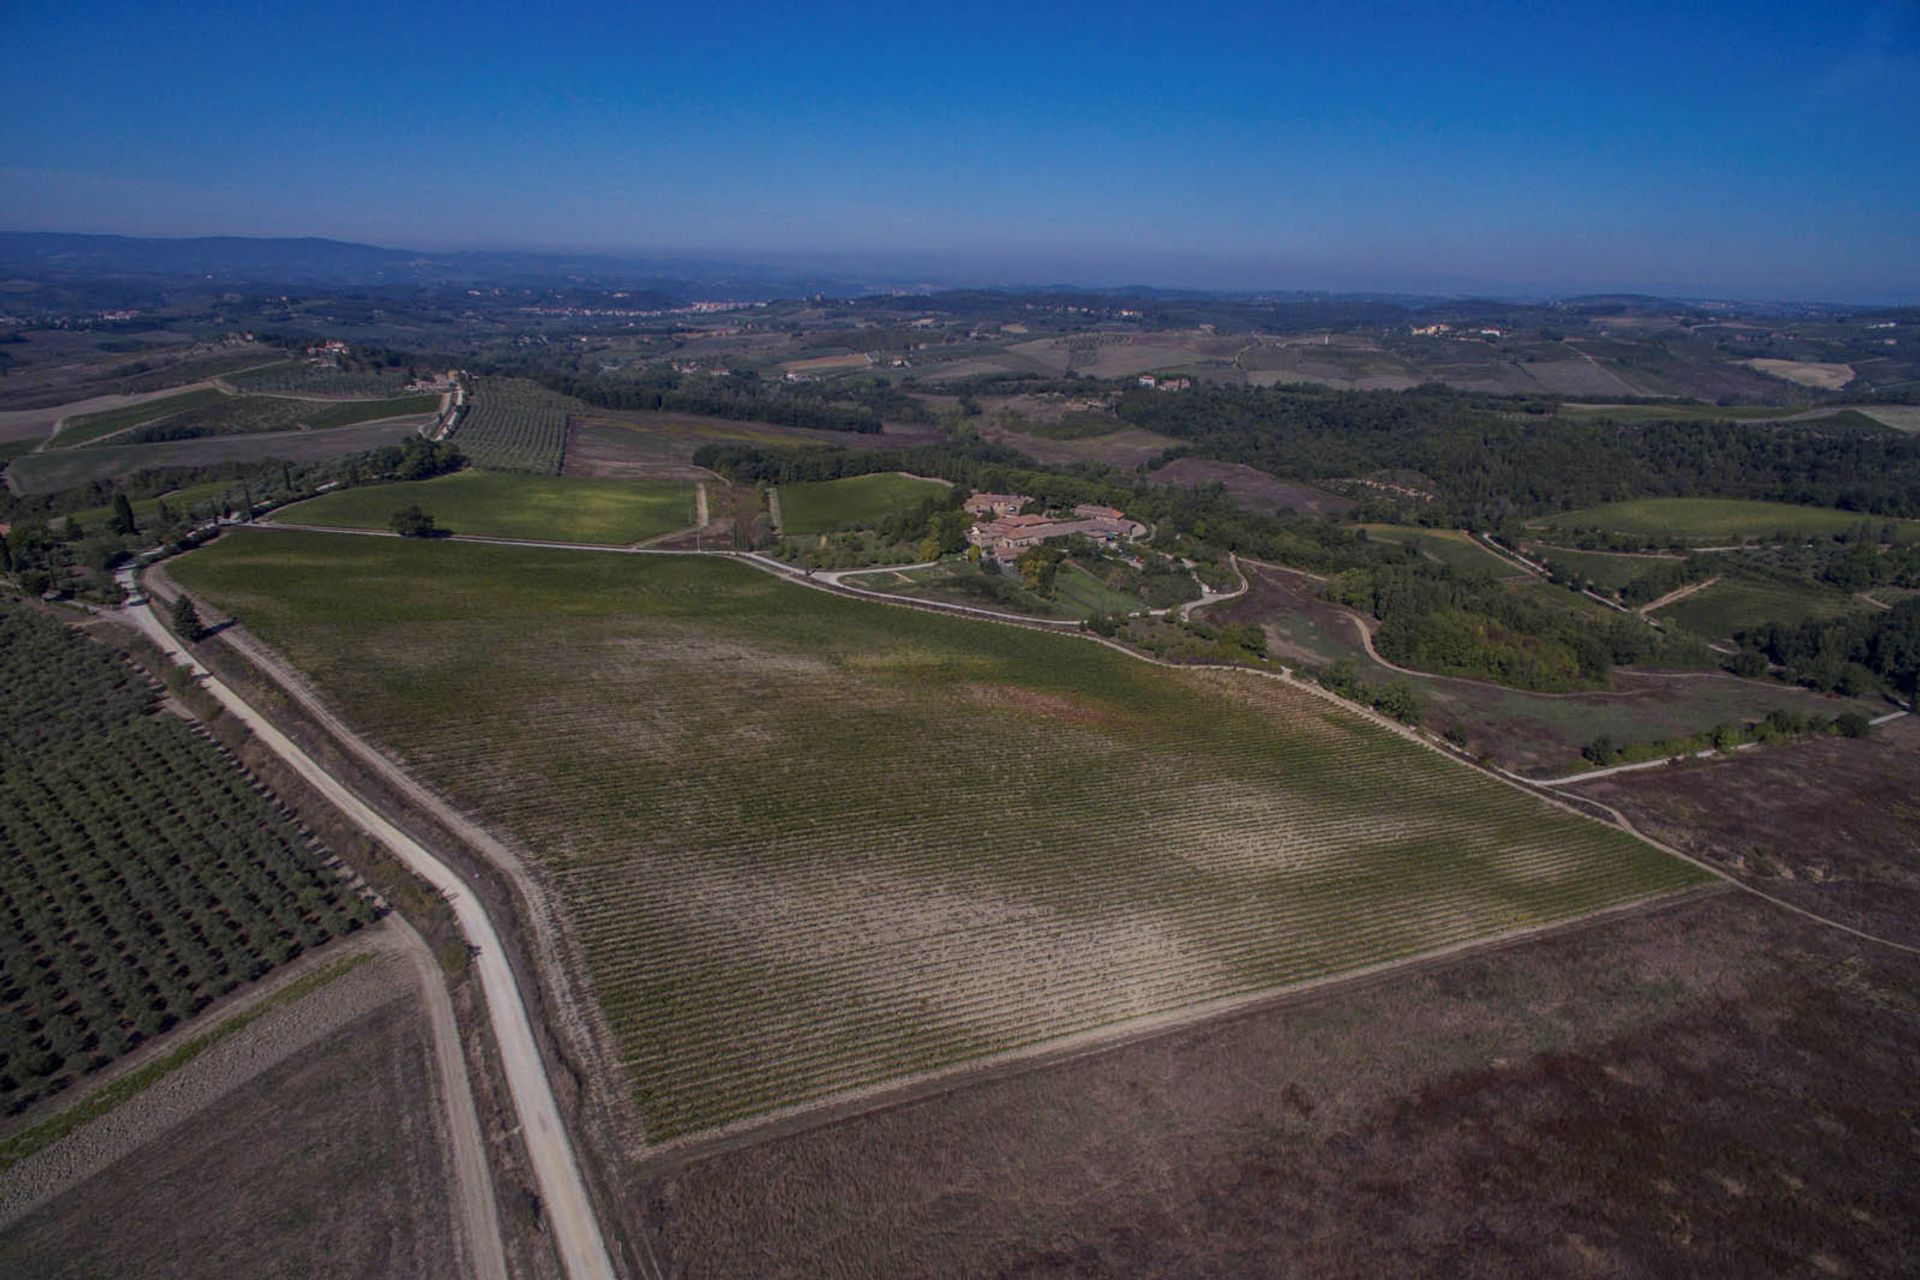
[
  {"x": 1252, "y": 488},
  {"x": 1830, "y": 824},
  {"x": 1718, "y": 1088},
  {"x": 329, "y": 1164}
]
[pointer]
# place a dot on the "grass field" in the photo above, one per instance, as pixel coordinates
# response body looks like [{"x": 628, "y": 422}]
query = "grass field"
[
  {"x": 1736, "y": 603},
  {"x": 854, "y": 503},
  {"x": 63, "y": 468},
  {"x": 1720, "y": 520},
  {"x": 81, "y": 428},
  {"x": 1449, "y": 546},
  {"x": 502, "y": 504},
  {"x": 810, "y": 843},
  {"x": 1604, "y": 568}
]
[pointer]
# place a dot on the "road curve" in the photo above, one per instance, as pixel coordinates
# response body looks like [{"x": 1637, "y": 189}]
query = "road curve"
[{"x": 576, "y": 1232}]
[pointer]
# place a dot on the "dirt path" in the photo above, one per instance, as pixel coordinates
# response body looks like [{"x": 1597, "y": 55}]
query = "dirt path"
[
  {"x": 1674, "y": 596},
  {"x": 479, "y": 1209},
  {"x": 1186, "y": 610},
  {"x": 700, "y": 518},
  {"x": 569, "y": 1212}
]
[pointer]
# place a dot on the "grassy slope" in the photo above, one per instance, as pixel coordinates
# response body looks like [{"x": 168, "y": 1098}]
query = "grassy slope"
[
  {"x": 1734, "y": 604},
  {"x": 91, "y": 426},
  {"x": 856, "y": 502},
  {"x": 1719, "y": 519},
  {"x": 506, "y": 505},
  {"x": 1449, "y": 546},
  {"x": 811, "y": 842},
  {"x": 1608, "y": 570}
]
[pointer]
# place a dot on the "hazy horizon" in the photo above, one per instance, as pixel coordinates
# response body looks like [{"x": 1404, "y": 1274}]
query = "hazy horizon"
[{"x": 1724, "y": 152}]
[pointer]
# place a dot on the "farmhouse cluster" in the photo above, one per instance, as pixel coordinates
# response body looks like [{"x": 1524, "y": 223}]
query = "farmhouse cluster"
[{"x": 1002, "y": 532}]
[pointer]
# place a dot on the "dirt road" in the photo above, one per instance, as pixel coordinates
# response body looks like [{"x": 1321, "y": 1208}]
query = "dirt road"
[{"x": 576, "y": 1231}]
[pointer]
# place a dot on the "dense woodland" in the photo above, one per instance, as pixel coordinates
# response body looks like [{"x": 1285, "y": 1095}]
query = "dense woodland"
[
  {"x": 1490, "y": 459},
  {"x": 860, "y": 405}
]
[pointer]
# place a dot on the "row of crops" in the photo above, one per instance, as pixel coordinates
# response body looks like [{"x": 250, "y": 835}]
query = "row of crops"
[
  {"x": 298, "y": 378},
  {"x": 143, "y": 873},
  {"x": 251, "y": 414},
  {"x": 810, "y": 844},
  {"x": 512, "y": 424}
]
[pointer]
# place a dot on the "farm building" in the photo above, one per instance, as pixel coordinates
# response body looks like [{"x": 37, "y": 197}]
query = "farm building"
[
  {"x": 989, "y": 506},
  {"x": 1006, "y": 538}
]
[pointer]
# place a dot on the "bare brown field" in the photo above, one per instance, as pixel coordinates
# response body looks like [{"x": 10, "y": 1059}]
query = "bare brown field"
[
  {"x": 1717, "y": 1088},
  {"x": 1126, "y": 448},
  {"x": 826, "y": 364},
  {"x": 1252, "y": 488},
  {"x": 1806, "y": 373},
  {"x": 1831, "y": 824},
  {"x": 330, "y": 1164}
]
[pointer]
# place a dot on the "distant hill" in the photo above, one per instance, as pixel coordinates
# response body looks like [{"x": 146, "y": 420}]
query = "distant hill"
[{"x": 313, "y": 262}]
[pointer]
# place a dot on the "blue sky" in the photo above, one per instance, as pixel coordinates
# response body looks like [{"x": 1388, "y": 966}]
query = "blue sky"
[{"x": 1749, "y": 150}]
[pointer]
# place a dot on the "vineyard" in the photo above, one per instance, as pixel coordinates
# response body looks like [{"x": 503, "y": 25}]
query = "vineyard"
[
  {"x": 810, "y": 843},
  {"x": 515, "y": 425},
  {"x": 297, "y": 378},
  {"x": 142, "y": 872}
]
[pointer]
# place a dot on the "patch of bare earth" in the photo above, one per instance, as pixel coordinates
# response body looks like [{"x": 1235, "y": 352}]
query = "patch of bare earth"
[
  {"x": 1832, "y": 824},
  {"x": 1714, "y": 1088},
  {"x": 1252, "y": 488},
  {"x": 330, "y": 1164}
]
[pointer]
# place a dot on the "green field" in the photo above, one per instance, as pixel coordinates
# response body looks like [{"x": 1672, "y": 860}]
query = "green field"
[
  {"x": 1713, "y": 521},
  {"x": 1449, "y": 546},
  {"x": 1603, "y": 568},
  {"x": 1737, "y": 603},
  {"x": 59, "y": 469},
  {"x": 857, "y": 502},
  {"x": 81, "y": 428},
  {"x": 809, "y": 843},
  {"x": 499, "y": 504},
  {"x": 1085, "y": 595}
]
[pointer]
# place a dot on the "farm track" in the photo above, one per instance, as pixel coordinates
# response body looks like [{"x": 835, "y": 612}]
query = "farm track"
[
  {"x": 1675, "y": 596},
  {"x": 576, "y": 1231}
]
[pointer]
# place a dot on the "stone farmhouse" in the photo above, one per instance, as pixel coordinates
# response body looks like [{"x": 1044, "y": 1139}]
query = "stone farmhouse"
[{"x": 1005, "y": 535}]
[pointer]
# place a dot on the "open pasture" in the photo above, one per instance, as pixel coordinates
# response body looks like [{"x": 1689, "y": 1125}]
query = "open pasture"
[
  {"x": 505, "y": 505},
  {"x": 856, "y": 502},
  {"x": 811, "y": 843},
  {"x": 1736, "y": 603},
  {"x": 81, "y": 428},
  {"x": 63, "y": 468},
  {"x": 1606, "y": 569},
  {"x": 1714, "y": 521},
  {"x": 1450, "y": 547}
]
